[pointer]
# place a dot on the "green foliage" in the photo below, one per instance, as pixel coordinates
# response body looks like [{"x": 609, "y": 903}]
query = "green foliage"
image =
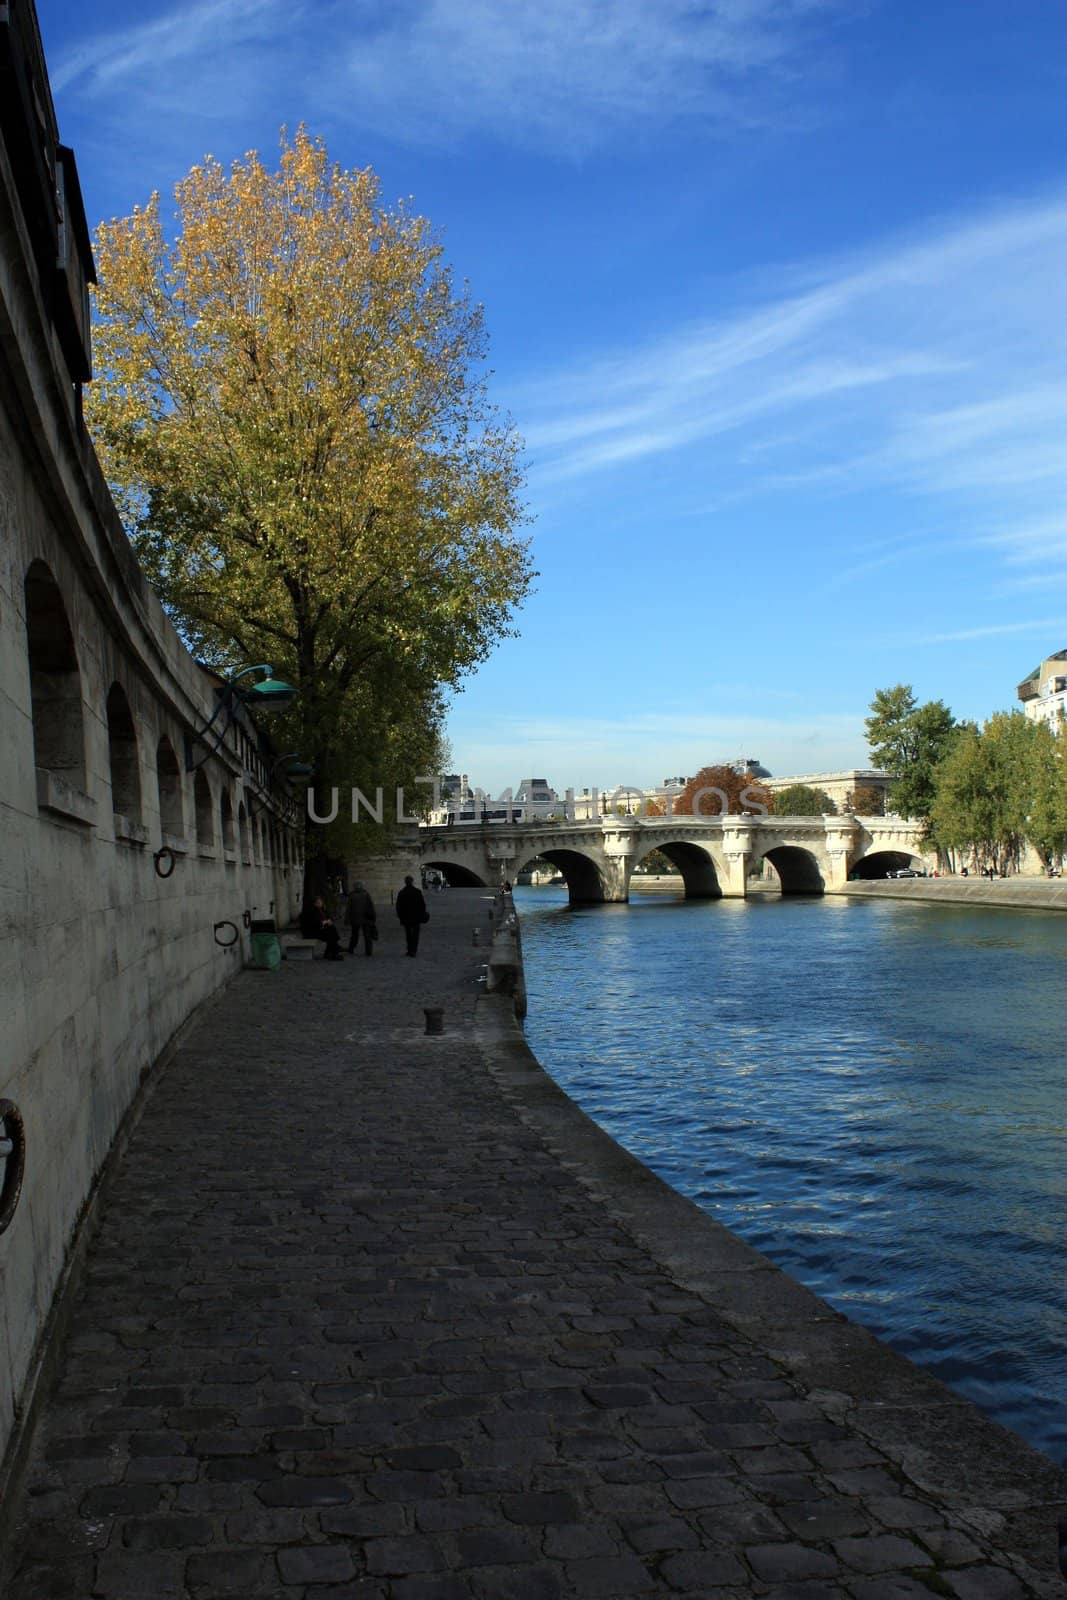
[
  {"x": 1000, "y": 786},
  {"x": 656, "y": 862},
  {"x": 801, "y": 800},
  {"x": 909, "y": 740}
]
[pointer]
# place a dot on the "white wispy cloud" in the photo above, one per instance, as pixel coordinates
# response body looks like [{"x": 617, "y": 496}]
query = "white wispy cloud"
[
  {"x": 567, "y": 72},
  {"x": 198, "y": 34},
  {"x": 1035, "y": 625},
  {"x": 558, "y": 74},
  {"x": 932, "y": 367},
  {"x": 644, "y": 749}
]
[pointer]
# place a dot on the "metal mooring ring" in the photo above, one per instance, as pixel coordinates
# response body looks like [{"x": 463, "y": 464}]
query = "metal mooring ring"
[
  {"x": 226, "y": 944},
  {"x": 165, "y": 854},
  {"x": 246, "y": 918},
  {"x": 13, "y": 1155}
]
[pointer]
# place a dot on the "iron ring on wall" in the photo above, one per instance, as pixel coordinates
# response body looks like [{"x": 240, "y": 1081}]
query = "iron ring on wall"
[
  {"x": 246, "y": 918},
  {"x": 226, "y": 944},
  {"x": 13, "y": 1146},
  {"x": 158, "y": 858}
]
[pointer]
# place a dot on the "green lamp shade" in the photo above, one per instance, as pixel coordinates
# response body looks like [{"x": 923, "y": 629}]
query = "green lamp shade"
[{"x": 272, "y": 694}]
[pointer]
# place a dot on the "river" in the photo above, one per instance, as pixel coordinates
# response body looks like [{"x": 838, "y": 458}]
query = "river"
[{"x": 873, "y": 1094}]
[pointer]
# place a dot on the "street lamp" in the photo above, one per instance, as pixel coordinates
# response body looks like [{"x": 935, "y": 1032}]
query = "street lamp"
[
  {"x": 291, "y": 766},
  {"x": 269, "y": 695}
]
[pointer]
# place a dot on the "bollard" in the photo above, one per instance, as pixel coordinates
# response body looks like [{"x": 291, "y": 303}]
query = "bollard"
[
  {"x": 435, "y": 1019},
  {"x": 477, "y": 936}
]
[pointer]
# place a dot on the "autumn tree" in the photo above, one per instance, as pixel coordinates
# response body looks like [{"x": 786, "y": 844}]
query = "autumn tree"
[
  {"x": 719, "y": 790},
  {"x": 802, "y": 800},
  {"x": 291, "y": 408},
  {"x": 866, "y": 801},
  {"x": 909, "y": 739}
]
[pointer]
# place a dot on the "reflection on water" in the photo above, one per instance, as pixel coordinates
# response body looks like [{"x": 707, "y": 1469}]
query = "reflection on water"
[{"x": 872, "y": 1094}]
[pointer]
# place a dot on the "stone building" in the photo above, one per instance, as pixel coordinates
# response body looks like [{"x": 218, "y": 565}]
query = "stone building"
[{"x": 840, "y": 786}]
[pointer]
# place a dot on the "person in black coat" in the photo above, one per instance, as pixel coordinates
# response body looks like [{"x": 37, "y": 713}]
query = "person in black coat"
[
  {"x": 411, "y": 909},
  {"x": 359, "y": 915},
  {"x": 315, "y": 924}
]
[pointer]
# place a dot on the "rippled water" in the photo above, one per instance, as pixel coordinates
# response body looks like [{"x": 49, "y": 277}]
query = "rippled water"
[{"x": 872, "y": 1094}]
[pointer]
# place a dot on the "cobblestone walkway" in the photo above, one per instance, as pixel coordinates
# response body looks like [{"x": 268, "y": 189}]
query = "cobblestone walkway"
[{"x": 351, "y": 1329}]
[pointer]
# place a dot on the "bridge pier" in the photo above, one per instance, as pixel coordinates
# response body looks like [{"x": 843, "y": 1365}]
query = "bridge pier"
[
  {"x": 841, "y": 834},
  {"x": 737, "y": 844},
  {"x": 619, "y": 847}
]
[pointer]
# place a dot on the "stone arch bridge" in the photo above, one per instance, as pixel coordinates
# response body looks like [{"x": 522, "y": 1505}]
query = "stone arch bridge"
[{"x": 716, "y": 856}]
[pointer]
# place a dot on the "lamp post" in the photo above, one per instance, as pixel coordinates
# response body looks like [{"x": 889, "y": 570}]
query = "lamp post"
[
  {"x": 270, "y": 695},
  {"x": 292, "y": 767}
]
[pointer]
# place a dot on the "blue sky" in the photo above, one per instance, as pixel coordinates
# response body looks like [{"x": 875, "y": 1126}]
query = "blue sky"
[{"x": 776, "y": 296}]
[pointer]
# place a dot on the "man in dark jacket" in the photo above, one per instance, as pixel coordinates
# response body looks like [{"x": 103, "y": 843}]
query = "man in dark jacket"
[
  {"x": 411, "y": 909},
  {"x": 359, "y": 915}
]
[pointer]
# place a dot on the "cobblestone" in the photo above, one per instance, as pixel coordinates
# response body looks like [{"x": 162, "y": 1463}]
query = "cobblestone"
[{"x": 351, "y": 1330}]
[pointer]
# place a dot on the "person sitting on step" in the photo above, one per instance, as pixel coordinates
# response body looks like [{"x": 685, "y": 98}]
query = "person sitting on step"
[{"x": 315, "y": 923}]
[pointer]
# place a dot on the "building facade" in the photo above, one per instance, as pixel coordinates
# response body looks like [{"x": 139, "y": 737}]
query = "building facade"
[{"x": 1044, "y": 692}]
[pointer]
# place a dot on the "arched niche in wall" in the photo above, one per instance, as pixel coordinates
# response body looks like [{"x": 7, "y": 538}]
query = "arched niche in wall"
[
  {"x": 226, "y": 815},
  {"x": 171, "y": 807},
  {"x": 245, "y": 834},
  {"x": 55, "y": 681},
  {"x": 205, "y": 812},
  {"x": 123, "y": 756}
]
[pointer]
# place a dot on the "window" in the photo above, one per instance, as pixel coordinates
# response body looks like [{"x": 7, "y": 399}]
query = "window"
[
  {"x": 205, "y": 812},
  {"x": 226, "y": 812},
  {"x": 171, "y": 811},
  {"x": 123, "y": 755},
  {"x": 55, "y": 682}
]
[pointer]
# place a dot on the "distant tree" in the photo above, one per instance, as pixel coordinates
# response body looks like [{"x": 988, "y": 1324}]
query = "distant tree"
[
  {"x": 705, "y": 794},
  {"x": 801, "y": 800},
  {"x": 998, "y": 787},
  {"x": 909, "y": 740},
  {"x": 1046, "y": 826},
  {"x": 657, "y": 862},
  {"x": 866, "y": 801}
]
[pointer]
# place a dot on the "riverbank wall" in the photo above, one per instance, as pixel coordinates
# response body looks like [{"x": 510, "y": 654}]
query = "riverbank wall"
[
  {"x": 985, "y": 1478},
  {"x": 134, "y": 852},
  {"x": 1032, "y": 894}
]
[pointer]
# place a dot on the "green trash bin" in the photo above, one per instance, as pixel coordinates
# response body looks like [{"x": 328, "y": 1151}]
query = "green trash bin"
[{"x": 266, "y": 952}]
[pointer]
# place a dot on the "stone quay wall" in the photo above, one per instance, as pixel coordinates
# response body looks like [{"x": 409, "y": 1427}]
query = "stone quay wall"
[
  {"x": 102, "y": 958},
  {"x": 1021, "y": 893}
]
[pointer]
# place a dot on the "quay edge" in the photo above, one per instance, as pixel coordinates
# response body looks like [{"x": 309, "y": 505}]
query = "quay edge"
[{"x": 998, "y": 1486}]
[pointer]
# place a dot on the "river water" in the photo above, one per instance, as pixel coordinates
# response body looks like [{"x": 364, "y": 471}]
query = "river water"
[{"x": 873, "y": 1094}]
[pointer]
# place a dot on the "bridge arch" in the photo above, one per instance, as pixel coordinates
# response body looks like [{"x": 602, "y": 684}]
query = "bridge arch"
[
  {"x": 585, "y": 882},
  {"x": 455, "y": 875},
  {"x": 798, "y": 869},
  {"x": 884, "y": 863},
  {"x": 696, "y": 865}
]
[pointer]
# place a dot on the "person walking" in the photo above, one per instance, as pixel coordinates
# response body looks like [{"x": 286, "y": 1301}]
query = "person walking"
[
  {"x": 360, "y": 918},
  {"x": 412, "y": 912}
]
